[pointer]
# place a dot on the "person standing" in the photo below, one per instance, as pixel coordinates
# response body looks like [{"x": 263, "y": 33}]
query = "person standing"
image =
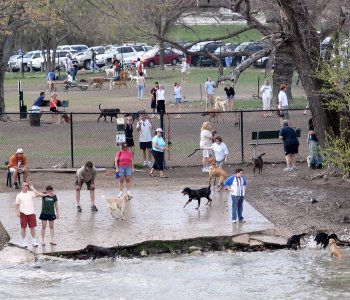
[
  {"x": 141, "y": 84},
  {"x": 25, "y": 212},
  {"x": 93, "y": 61},
  {"x": 209, "y": 92},
  {"x": 158, "y": 148},
  {"x": 18, "y": 165},
  {"x": 139, "y": 66},
  {"x": 153, "y": 94},
  {"x": 129, "y": 133},
  {"x": 124, "y": 167},
  {"x": 237, "y": 185},
  {"x": 86, "y": 174},
  {"x": 50, "y": 79},
  {"x": 291, "y": 145},
  {"x": 315, "y": 154},
  {"x": 160, "y": 96},
  {"x": 230, "y": 94},
  {"x": 185, "y": 69},
  {"x": 283, "y": 104},
  {"x": 178, "y": 98},
  {"x": 220, "y": 151},
  {"x": 49, "y": 212},
  {"x": 206, "y": 140},
  {"x": 266, "y": 91},
  {"x": 144, "y": 126}
]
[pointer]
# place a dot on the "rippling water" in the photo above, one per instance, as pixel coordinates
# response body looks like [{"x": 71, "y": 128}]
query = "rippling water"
[{"x": 306, "y": 274}]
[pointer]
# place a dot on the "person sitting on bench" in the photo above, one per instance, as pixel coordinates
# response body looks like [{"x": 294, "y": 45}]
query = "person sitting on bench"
[
  {"x": 18, "y": 165},
  {"x": 38, "y": 102}
]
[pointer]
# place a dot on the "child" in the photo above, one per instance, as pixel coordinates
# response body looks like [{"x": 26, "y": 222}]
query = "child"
[
  {"x": 49, "y": 207},
  {"x": 177, "y": 95}
]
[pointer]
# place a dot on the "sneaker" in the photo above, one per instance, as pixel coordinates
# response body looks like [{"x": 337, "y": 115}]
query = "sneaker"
[
  {"x": 94, "y": 208},
  {"x": 242, "y": 221},
  {"x": 204, "y": 170},
  {"x": 79, "y": 208},
  {"x": 24, "y": 244},
  {"x": 234, "y": 221},
  {"x": 145, "y": 163},
  {"x": 15, "y": 185},
  {"x": 287, "y": 169},
  {"x": 149, "y": 164},
  {"x": 294, "y": 168},
  {"x": 120, "y": 194},
  {"x": 34, "y": 243}
]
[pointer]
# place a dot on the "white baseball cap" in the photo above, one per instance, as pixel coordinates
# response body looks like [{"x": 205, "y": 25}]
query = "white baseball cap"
[
  {"x": 19, "y": 151},
  {"x": 159, "y": 130}
]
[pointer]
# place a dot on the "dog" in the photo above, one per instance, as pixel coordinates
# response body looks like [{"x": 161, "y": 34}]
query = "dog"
[
  {"x": 220, "y": 104},
  {"x": 65, "y": 118},
  {"x": 258, "y": 163},
  {"x": 335, "y": 251},
  {"x": 214, "y": 114},
  {"x": 323, "y": 238},
  {"x": 124, "y": 75},
  {"x": 110, "y": 72},
  {"x": 294, "y": 241},
  {"x": 132, "y": 78},
  {"x": 115, "y": 203},
  {"x": 119, "y": 83},
  {"x": 108, "y": 112},
  {"x": 97, "y": 85},
  {"x": 197, "y": 195},
  {"x": 97, "y": 79},
  {"x": 216, "y": 172},
  {"x": 98, "y": 251}
]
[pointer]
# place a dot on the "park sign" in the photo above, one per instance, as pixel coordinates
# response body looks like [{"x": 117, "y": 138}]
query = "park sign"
[{"x": 120, "y": 136}]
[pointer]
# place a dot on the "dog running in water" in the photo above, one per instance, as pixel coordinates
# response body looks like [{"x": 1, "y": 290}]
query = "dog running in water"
[
  {"x": 323, "y": 238},
  {"x": 98, "y": 252},
  {"x": 258, "y": 163},
  {"x": 294, "y": 241},
  {"x": 335, "y": 251}
]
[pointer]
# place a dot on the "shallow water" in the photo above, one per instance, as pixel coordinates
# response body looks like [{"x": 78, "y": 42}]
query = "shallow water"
[{"x": 305, "y": 274}]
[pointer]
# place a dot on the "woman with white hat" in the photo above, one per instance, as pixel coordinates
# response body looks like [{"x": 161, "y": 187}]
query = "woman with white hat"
[{"x": 158, "y": 148}]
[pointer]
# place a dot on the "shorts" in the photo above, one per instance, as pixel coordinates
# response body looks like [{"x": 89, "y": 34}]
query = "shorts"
[
  {"x": 47, "y": 217},
  {"x": 27, "y": 220},
  {"x": 285, "y": 113},
  {"x": 146, "y": 145},
  {"x": 178, "y": 100},
  {"x": 153, "y": 104},
  {"x": 88, "y": 184},
  {"x": 291, "y": 149},
  {"x": 19, "y": 170},
  {"x": 124, "y": 171},
  {"x": 230, "y": 98},
  {"x": 53, "y": 109},
  {"x": 206, "y": 153},
  {"x": 130, "y": 142}
]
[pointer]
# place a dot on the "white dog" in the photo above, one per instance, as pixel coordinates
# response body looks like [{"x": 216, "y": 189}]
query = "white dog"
[
  {"x": 220, "y": 104},
  {"x": 115, "y": 203},
  {"x": 132, "y": 78},
  {"x": 110, "y": 72}
]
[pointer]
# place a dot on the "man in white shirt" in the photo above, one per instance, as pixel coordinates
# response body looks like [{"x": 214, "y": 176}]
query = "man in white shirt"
[{"x": 144, "y": 126}]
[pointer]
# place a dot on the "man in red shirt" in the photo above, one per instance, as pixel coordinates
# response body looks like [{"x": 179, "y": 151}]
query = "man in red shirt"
[{"x": 18, "y": 165}]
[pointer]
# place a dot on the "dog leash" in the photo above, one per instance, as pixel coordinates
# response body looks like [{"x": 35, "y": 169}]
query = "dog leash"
[{"x": 195, "y": 150}]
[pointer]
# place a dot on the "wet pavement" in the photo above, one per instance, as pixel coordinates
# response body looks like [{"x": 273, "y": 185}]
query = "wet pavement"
[{"x": 150, "y": 215}]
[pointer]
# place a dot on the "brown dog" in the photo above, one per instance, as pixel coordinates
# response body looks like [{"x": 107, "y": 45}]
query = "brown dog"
[
  {"x": 97, "y": 85},
  {"x": 216, "y": 172},
  {"x": 335, "y": 251},
  {"x": 100, "y": 80},
  {"x": 65, "y": 118},
  {"x": 119, "y": 83},
  {"x": 115, "y": 203},
  {"x": 214, "y": 114}
]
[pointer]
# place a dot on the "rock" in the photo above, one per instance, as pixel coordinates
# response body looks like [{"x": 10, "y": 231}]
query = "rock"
[
  {"x": 255, "y": 243},
  {"x": 313, "y": 200},
  {"x": 241, "y": 239},
  {"x": 143, "y": 253},
  {"x": 346, "y": 219},
  {"x": 193, "y": 248},
  {"x": 197, "y": 252},
  {"x": 16, "y": 255}
]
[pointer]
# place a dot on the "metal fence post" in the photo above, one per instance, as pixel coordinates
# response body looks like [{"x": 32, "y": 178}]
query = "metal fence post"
[
  {"x": 71, "y": 140},
  {"x": 242, "y": 136}
]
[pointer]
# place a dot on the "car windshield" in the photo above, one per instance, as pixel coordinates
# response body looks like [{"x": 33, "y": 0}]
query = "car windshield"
[{"x": 151, "y": 52}]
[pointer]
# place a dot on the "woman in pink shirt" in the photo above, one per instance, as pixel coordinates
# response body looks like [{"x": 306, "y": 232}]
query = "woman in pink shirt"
[{"x": 124, "y": 167}]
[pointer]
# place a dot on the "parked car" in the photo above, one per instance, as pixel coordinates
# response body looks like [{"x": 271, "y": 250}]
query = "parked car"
[
  {"x": 15, "y": 64},
  {"x": 247, "y": 49},
  {"x": 203, "y": 46},
  {"x": 78, "y": 48},
  {"x": 121, "y": 52},
  {"x": 228, "y": 14},
  {"x": 151, "y": 58},
  {"x": 39, "y": 63},
  {"x": 84, "y": 58},
  {"x": 262, "y": 62},
  {"x": 226, "y": 50}
]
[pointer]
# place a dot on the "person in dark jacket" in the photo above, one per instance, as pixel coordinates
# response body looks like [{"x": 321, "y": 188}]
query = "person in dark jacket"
[
  {"x": 291, "y": 145},
  {"x": 230, "y": 93}
]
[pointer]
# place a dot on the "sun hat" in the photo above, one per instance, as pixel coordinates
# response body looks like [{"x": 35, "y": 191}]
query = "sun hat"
[
  {"x": 159, "y": 130},
  {"x": 19, "y": 151}
]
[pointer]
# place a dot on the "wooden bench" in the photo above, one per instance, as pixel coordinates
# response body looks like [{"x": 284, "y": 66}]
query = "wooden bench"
[{"x": 269, "y": 137}]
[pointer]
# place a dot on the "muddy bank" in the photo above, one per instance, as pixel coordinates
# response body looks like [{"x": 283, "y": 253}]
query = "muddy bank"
[{"x": 4, "y": 237}]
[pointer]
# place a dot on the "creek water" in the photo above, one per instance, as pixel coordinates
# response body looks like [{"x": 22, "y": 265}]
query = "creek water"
[{"x": 306, "y": 274}]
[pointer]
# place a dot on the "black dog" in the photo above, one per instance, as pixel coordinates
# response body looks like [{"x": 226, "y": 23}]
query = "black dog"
[
  {"x": 258, "y": 163},
  {"x": 323, "y": 238},
  {"x": 99, "y": 251},
  {"x": 197, "y": 195},
  {"x": 108, "y": 112},
  {"x": 294, "y": 241}
]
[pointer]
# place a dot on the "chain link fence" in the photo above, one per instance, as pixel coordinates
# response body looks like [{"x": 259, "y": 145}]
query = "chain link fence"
[{"x": 85, "y": 139}]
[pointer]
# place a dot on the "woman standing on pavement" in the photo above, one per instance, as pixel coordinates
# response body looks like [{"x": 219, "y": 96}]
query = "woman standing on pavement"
[
  {"x": 124, "y": 167},
  {"x": 158, "y": 148}
]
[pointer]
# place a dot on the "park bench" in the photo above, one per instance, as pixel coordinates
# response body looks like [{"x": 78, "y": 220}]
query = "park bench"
[
  {"x": 269, "y": 138},
  {"x": 60, "y": 103},
  {"x": 67, "y": 86}
]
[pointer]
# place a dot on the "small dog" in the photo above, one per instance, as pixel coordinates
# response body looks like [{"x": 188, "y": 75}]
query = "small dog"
[
  {"x": 108, "y": 112},
  {"x": 294, "y": 241},
  {"x": 110, "y": 72},
  {"x": 220, "y": 104},
  {"x": 197, "y": 195},
  {"x": 97, "y": 79},
  {"x": 115, "y": 203},
  {"x": 214, "y": 114},
  {"x": 335, "y": 251},
  {"x": 65, "y": 118},
  {"x": 119, "y": 83},
  {"x": 216, "y": 172},
  {"x": 258, "y": 163},
  {"x": 323, "y": 238},
  {"x": 99, "y": 251},
  {"x": 132, "y": 78},
  {"x": 97, "y": 85}
]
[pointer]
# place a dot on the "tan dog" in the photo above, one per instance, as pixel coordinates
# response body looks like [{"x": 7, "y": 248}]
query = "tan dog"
[
  {"x": 335, "y": 251},
  {"x": 97, "y": 85},
  {"x": 97, "y": 79},
  {"x": 115, "y": 203},
  {"x": 110, "y": 72},
  {"x": 119, "y": 83},
  {"x": 220, "y": 104},
  {"x": 216, "y": 172}
]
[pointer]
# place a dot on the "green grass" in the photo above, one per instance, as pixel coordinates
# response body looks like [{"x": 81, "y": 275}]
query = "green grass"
[{"x": 204, "y": 31}]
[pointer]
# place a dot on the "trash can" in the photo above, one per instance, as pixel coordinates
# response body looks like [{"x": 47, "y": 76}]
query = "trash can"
[{"x": 34, "y": 117}]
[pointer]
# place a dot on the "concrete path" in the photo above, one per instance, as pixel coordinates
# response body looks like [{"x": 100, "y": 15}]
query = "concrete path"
[{"x": 150, "y": 215}]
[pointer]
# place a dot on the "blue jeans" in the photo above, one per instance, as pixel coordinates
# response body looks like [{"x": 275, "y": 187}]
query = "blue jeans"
[
  {"x": 237, "y": 207},
  {"x": 140, "y": 91}
]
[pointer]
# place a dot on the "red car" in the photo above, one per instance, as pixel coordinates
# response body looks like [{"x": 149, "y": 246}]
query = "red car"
[{"x": 151, "y": 58}]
